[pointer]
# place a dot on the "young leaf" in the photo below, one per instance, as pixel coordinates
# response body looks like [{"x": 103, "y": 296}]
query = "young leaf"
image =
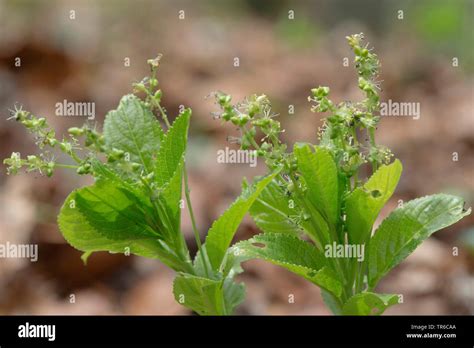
[
  {"x": 112, "y": 211},
  {"x": 320, "y": 174},
  {"x": 222, "y": 232},
  {"x": 368, "y": 303},
  {"x": 169, "y": 176},
  {"x": 406, "y": 227},
  {"x": 108, "y": 217},
  {"x": 133, "y": 128},
  {"x": 171, "y": 195},
  {"x": 364, "y": 203},
  {"x": 207, "y": 296},
  {"x": 295, "y": 255},
  {"x": 272, "y": 211},
  {"x": 172, "y": 148},
  {"x": 332, "y": 302}
]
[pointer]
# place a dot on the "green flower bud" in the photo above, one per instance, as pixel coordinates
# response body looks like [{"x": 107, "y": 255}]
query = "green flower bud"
[
  {"x": 49, "y": 169},
  {"x": 224, "y": 99},
  {"x": 76, "y": 131},
  {"x": 41, "y": 122},
  {"x": 266, "y": 146},
  {"x": 157, "y": 96},
  {"x": 254, "y": 109},
  {"x": 139, "y": 87},
  {"x": 243, "y": 119},
  {"x": 20, "y": 115},
  {"x": 84, "y": 169},
  {"x": 262, "y": 122},
  {"x": 14, "y": 163},
  {"x": 65, "y": 146},
  {"x": 149, "y": 177},
  {"x": 153, "y": 83},
  {"x": 51, "y": 142},
  {"x": 291, "y": 187},
  {"x": 226, "y": 116},
  {"x": 136, "y": 166}
]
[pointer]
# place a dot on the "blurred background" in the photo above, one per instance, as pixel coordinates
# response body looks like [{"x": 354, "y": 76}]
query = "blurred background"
[{"x": 84, "y": 59}]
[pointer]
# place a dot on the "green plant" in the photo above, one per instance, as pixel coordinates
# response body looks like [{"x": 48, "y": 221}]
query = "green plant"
[
  {"x": 319, "y": 195},
  {"x": 312, "y": 192},
  {"x": 134, "y": 206}
]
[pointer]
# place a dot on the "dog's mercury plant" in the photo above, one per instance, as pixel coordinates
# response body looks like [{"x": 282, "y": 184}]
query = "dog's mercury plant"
[
  {"x": 134, "y": 206},
  {"x": 317, "y": 214},
  {"x": 313, "y": 198}
]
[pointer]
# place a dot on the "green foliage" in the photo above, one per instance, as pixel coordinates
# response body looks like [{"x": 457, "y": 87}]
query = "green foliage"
[
  {"x": 207, "y": 296},
  {"x": 316, "y": 212},
  {"x": 217, "y": 293},
  {"x": 273, "y": 211},
  {"x": 293, "y": 254},
  {"x": 134, "y": 206},
  {"x": 223, "y": 229},
  {"x": 368, "y": 303},
  {"x": 319, "y": 173},
  {"x": 363, "y": 205},
  {"x": 407, "y": 227},
  {"x": 319, "y": 195},
  {"x": 133, "y": 129}
]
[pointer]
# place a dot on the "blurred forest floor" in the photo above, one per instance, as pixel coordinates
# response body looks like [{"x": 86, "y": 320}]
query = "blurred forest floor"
[{"x": 82, "y": 60}]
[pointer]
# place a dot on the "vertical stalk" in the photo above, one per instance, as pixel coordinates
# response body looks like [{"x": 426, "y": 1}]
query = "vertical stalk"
[
  {"x": 193, "y": 220},
  {"x": 197, "y": 236}
]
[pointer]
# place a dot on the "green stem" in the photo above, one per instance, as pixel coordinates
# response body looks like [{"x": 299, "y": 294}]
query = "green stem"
[
  {"x": 372, "y": 144},
  {"x": 163, "y": 115},
  {"x": 188, "y": 199},
  {"x": 75, "y": 157},
  {"x": 71, "y": 166},
  {"x": 193, "y": 220},
  {"x": 319, "y": 243}
]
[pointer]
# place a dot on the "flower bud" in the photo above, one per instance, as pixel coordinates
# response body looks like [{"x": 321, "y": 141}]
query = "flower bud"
[
  {"x": 157, "y": 96},
  {"x": 65, "y": 146},
  {"x": 243, "y": 119},
  {"x": 136, "y": 166},
  {"x": 75, "y": 131},
  {"x": 235, "y": 120},
  {"x": 153, "y": 83},
  {"x": 224, "y": 99}
]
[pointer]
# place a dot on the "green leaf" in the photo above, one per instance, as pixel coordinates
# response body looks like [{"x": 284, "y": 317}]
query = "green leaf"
[
  {"x": 368, "y": 303},
  {"x": 133, "y": 128},
  {"x": 108, "y": 217},
  {"x": 320, "y": 174},
  {"x": 406, "y": 227},
  {"x": 171, "y": 195},
  {"x": 363, "y": 205},
  {"x": 272, "y": 211},
  {"x": 295, "y": 255},
  {"x": 172, "y": 148},
  {"x": 222, "y": 231},
  {"x": 207, "y": 296},
  {"x": 114, "y": 212},
  {"x": 332, "y": 302},
  {"x": 169, "y": 176}
]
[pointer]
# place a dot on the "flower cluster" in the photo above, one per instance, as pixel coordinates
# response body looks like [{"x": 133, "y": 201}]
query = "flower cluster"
[
  {"x": 149, "y": 87},
  {"x": 346, "y": 120},
  {"x": 46, "y": 140},
  {"x": 254, "y": 116}
]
